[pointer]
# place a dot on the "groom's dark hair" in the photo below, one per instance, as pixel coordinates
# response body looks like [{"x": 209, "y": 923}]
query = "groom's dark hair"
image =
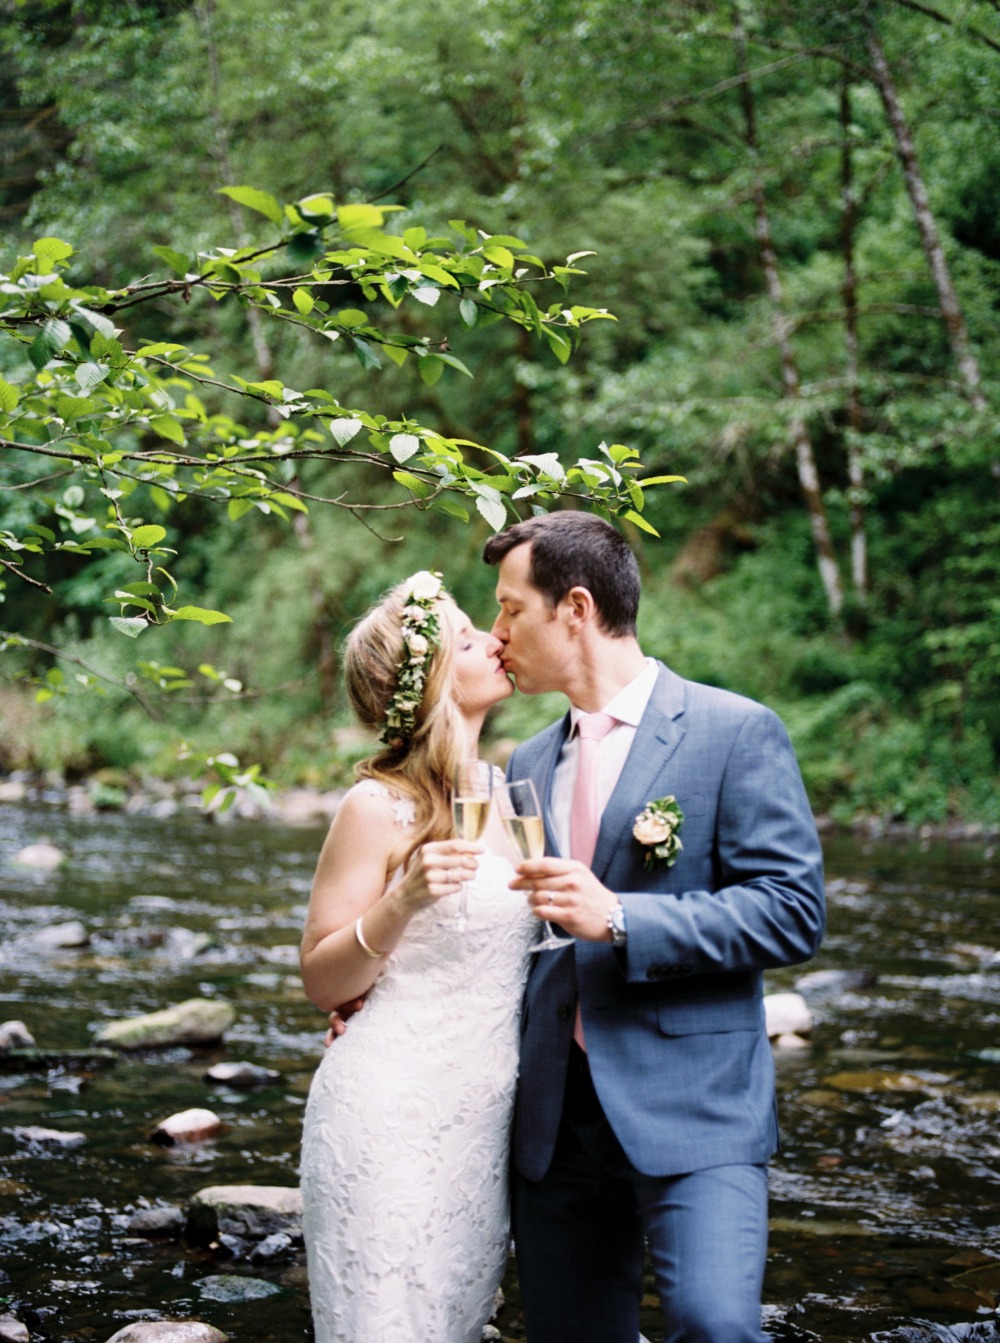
[{"x": 570, "y": 550}]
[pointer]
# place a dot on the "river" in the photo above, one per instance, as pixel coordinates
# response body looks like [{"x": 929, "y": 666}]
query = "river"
[{"x": 885, "y": 1200}]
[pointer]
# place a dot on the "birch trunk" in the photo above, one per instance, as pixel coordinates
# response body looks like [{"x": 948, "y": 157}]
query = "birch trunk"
[
  {"x": 804, "y": 456},
  {"x": 855, "y": 411},
  {"x": 951, "y": 310}
]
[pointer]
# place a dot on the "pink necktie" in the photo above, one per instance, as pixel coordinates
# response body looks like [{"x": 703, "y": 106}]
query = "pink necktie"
[{"x": 585, "y": 813}]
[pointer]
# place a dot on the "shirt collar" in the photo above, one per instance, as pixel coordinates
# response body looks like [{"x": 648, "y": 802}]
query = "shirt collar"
[{"x": 629, "y": 704}]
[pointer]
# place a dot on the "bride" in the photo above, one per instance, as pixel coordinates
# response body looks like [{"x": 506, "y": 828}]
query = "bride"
[{"x": 404, "y": 1149}]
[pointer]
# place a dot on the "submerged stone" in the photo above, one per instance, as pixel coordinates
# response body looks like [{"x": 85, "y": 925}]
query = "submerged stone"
[
  {"x": 42, "y": 856},
  {"x": 242, "y": 1075},
  {"x": 195, "y": 1021},
  {"x": 32, "y": 1135},
  {"x": 234, "y": 1287}
]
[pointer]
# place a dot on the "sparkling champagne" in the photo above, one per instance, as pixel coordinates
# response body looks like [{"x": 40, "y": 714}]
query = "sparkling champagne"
[
  {"x": 527, "y": 834},
  {"x": 471, "y": 814}
]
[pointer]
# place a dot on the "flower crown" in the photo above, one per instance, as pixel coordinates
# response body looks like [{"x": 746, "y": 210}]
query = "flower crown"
[{"x": 421, "y": 640}]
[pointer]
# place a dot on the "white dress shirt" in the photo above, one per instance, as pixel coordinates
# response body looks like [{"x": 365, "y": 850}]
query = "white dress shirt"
[{"x": 627, "y": 707}]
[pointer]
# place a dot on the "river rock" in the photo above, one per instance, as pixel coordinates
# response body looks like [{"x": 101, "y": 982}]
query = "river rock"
[
  {"x": 193, "y": 1125},
  {"x": 32, "y": 1135},
  {"x": 44, "y": 857},
  {"x": 13, "y": 790},
  {"x": 245, "y": 1211},
  {"x": 195, "y": 1021},
  {"x": 233, "y": 1287},
  {"x": 165, "y": 1220},
  {"x": 12, "y": 1330},
  {"x": 923, "y": 1331},
  {"x": 15, "y": 1035},
  {"x": 61, "y": 936},
  {"x": 303, "y": 806},
  {"x": 787, "y": 1014},
  {"x": 829, "y": 982},
  {"x": 169, "y": 1331},
  {"x": 242, "y": 1076}
]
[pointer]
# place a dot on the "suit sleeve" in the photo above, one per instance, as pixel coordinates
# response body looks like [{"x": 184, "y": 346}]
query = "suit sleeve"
[{"x": 763, "y": 904}]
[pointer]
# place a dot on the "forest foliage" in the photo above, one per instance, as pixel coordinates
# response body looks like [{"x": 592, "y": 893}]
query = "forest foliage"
[{"x": 296, "y": 299}]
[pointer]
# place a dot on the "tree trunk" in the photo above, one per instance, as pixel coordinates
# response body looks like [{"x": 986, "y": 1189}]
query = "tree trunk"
[
  {"x": 951, "y": 310},
  {"x": 855, "y": 412},
  {"x": 804, "y": 456}
]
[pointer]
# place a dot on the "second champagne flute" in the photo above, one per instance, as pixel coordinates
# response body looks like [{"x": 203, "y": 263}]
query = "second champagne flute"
[
  {"x": 470, "y": 808},
  {"x": 522, "y": 818}
]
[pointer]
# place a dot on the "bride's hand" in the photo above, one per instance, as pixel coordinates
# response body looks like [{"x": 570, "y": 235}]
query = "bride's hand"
[{"x": 439, "y": 869}]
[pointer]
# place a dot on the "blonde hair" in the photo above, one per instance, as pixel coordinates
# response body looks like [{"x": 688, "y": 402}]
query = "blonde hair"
[{"x": 421, "y": 767}]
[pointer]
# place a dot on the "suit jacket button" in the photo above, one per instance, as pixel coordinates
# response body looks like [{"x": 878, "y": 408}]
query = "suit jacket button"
[{"x": 564, "y": 1012}]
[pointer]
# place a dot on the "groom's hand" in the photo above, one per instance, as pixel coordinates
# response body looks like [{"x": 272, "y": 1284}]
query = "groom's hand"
[{"x": 566, "y": 892}]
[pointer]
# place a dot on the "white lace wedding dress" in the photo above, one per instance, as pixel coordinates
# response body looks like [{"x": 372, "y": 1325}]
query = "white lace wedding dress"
[{"x": 404, "y": 1149}]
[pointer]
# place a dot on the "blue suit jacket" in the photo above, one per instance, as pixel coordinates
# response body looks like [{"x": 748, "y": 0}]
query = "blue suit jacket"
[{"x": 675, "y": 1030}]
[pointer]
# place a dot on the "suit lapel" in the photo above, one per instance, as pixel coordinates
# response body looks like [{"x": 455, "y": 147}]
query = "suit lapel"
[{"x": 657, "y": 737}]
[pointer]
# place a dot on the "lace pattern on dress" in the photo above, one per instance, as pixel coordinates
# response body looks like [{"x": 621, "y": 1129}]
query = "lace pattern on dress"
[{"x": 404, "y": 809}]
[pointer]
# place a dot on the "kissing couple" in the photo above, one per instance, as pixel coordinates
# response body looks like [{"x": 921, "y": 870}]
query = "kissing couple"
[{"x": 603, "y": 1100}]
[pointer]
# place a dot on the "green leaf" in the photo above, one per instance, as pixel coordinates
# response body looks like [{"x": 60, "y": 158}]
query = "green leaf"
[
  {"x": 344, "y": 430},
  {"x": 452, "y": 507},
  {"x": 500, "y": 256},
  {"x": 261, "y": 201},
  {"x": 150, "y": 535},
  {"x": 639, "y": 521},
  {"x": 412, "y": 483},
  {"x": 430, "y": 369},
  {"x": 662, "y": 480},
  {"x": 560, "y": 345},
  {"x": 201, "y": 615},
  {"x": 403, "y": 446},
  {"x": 453, "y": 362},
  {"x": 179, "y": 263},
  {"x": 9, "y": 397},
  {"x": 237, "y": 508},
  {"x": 49, "y": 251},
  {"x": 360, "y": 216},
  {"x": 303, "y": 301},
  {"x": 90, "y": 376},
  {"x": 493, "y": 511},
  {"x": 50, "y": 340},
  {"x": 468, "y": 311},
  {"x": 133, "y": 626},
  {"x": 167, "y": 427},
  {"x": 367, "y": 357}
]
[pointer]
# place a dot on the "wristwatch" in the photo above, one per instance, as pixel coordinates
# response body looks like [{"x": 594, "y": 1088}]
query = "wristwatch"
[{"x": 616, "y": 926}]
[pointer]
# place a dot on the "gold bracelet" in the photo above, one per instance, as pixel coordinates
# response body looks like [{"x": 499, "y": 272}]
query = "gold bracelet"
[{"x": 375, "y": 955}]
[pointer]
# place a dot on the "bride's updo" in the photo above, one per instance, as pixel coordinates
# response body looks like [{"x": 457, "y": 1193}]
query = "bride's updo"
[{"x": 420, "y": 761}]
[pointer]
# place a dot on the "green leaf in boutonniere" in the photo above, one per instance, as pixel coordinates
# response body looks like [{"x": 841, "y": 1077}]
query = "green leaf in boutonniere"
[{"x": 656, "y": 829}]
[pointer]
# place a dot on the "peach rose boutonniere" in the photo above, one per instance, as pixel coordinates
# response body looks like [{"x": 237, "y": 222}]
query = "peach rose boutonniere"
[{"x": 656, "y": 829}]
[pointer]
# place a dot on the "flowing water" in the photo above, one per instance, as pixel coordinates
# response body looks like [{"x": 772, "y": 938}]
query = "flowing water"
[{"x": 885, "y": 1199}]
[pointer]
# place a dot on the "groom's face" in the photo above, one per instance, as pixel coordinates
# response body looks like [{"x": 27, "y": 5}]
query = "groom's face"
[{"x": 535, "y": 644}]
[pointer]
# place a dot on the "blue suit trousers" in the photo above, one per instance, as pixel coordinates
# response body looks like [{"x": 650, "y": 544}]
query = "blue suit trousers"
[{"x": 581, "y": 1231}]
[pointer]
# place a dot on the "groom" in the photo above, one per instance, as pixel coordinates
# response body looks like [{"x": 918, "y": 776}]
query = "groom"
[{"x": 646, "y": 1106}]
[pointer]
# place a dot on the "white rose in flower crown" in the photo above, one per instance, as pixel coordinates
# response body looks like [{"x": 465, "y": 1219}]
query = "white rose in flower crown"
[
  {"x": 418, "y": 646},
  {"x": 652, "y": 829},
  {"x": 423, "y": 586}
]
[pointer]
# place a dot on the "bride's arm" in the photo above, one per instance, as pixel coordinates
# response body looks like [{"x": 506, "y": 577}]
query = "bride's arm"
[{"x": 361, "y": 849}]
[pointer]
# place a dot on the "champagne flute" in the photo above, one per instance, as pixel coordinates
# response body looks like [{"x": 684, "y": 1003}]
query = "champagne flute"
[
  {"x": 470, "y": 808},
  {"x": 522, "y": 819}
]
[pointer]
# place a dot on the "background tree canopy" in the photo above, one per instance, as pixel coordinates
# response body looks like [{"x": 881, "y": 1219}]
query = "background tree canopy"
[{"x": 255, "y": 402}]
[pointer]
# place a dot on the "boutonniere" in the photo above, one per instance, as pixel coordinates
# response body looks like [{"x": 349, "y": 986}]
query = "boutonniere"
[{"x": 656, "y": 829}]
